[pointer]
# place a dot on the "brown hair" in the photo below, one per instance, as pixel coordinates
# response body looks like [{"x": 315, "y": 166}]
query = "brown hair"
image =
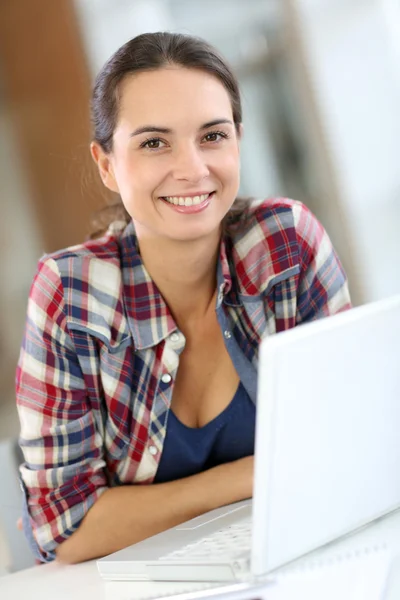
[{"x": 146, "y": 52}]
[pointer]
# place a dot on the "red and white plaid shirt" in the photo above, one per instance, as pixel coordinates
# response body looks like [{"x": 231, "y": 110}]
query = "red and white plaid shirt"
[{"x": 92, "y": 388}]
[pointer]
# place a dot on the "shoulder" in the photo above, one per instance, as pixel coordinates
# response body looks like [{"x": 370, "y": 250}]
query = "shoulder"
[
  {"x": 272, "y": 240},
  {"x": 267, "y": 234},
  {"x": 271, "y": 214},
  {"x": 276, "y": 223},
  {"x": 80, "y": 280},
  {"x": 104, "y": 249},
  {"x": 87, "y": 262}
]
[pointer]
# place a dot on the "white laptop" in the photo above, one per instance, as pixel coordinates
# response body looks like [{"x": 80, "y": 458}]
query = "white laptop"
[{"x": 327, "y": 458}]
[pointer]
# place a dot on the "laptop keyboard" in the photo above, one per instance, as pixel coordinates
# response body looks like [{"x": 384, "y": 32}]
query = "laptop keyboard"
[{"x": 229, "y": 542}]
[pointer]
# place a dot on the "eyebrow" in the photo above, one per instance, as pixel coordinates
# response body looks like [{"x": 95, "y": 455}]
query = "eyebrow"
[{"x": 157, "y": 129}]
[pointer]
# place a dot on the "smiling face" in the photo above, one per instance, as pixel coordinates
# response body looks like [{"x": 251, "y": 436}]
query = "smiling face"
[{"x": 175, "y": 156}]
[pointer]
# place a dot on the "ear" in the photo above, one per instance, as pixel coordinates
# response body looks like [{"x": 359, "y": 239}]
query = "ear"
[{"x": 104, "y": 165}]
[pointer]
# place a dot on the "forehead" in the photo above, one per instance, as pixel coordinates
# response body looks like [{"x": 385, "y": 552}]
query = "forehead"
[{"x": 172, "y": 94}]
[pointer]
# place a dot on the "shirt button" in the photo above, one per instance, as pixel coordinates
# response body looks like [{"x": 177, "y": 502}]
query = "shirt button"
[
  {"x": 153, "y": 450},
  {"x": 174, "y": 337},
  {"x": 227, "y": 334},
  {"x": 166, "y": 378}
]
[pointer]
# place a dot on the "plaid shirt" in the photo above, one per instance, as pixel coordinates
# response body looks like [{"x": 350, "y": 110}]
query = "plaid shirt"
[{"x": 101, "y": 352}]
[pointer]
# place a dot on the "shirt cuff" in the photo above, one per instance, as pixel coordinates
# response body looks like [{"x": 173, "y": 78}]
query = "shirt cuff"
[{"x": 28, "y": 531}]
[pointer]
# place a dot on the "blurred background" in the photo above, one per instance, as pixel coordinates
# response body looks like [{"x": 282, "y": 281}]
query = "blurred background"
[{"x": 321, "y": 94}]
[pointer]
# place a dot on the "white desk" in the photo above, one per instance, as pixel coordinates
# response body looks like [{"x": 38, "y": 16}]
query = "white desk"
[
  {"x": 82, "y": 582},
  {"x": 77, "y": 582}
]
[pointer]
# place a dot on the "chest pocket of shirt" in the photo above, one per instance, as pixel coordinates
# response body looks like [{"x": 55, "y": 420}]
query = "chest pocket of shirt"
[
  {"x": 275, "y": 309},
  {"x": 102, "y": 368}
]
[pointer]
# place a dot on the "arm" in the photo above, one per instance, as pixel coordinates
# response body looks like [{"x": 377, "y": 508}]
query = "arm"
[
  {"x": 128, "y": 514},
  {"x": 322, "y": 288},
  {"x": 63, "y": 470}
]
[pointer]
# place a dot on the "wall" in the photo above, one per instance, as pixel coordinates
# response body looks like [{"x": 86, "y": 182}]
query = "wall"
[{"x": 351, "y": 60}]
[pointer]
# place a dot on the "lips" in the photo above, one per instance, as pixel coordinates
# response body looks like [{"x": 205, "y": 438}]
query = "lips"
[
  {"x": 201, "y": 203},
  {"x": 191, "y": 200}
]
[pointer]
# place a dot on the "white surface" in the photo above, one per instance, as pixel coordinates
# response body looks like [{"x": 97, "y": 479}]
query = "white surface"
[
  {"x": 352, "y": 581},
  {"x": 314, "y": 484},
  {"x": 80, "y": 582},
  {"x": 361, "y": 579},
  {"x": 352, "y": 55},
  {"x": 107, "y": 25}
]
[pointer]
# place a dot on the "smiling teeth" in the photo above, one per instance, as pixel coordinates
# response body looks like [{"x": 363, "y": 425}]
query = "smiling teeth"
[{"x": 186, "y": 200}]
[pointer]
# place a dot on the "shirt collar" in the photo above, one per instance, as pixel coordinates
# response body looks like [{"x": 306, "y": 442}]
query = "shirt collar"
[
  {"x": 149, "y": 318},
  {"x": 148, "y": 315},
  {"x": 227, "y": 280}
]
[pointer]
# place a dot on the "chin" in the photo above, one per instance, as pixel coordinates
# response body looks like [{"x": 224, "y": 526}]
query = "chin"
[{"x": 195, "y": 233}]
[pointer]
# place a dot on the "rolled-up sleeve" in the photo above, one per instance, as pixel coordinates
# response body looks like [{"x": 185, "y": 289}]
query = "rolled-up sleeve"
[
  {"x": 63, "y": 470},
  {"x": 323, "y": 288}
]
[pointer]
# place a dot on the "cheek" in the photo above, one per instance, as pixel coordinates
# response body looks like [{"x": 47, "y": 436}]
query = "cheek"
[
  {"x": 124, "y": 169},
  {"x": 229, "y": 167},
  {"x": 136, "y": 177}
]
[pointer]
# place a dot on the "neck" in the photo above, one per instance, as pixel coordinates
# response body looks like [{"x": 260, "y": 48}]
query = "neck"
[{"x": 184, "y": 272}]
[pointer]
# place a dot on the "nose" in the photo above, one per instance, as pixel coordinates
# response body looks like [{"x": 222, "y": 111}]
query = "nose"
[{"x": 189, "y": 164}]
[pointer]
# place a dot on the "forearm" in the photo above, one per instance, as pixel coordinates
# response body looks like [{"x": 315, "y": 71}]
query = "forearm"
[{"x": 125, "y": 515}]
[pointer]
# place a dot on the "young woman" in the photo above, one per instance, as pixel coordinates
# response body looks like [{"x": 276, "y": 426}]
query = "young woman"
[{"x": 137, "y": 377}]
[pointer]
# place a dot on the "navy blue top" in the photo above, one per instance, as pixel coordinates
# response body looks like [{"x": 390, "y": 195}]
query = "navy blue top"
[{"x": 189, "y": 450}]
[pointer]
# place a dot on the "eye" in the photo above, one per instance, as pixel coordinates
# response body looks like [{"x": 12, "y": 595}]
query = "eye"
[
  {"x": 152, "y": 143},
  {"x": 215, "y": 136}
]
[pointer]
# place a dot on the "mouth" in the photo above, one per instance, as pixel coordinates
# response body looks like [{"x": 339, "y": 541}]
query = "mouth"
[{"x": 188, "y": 204}]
